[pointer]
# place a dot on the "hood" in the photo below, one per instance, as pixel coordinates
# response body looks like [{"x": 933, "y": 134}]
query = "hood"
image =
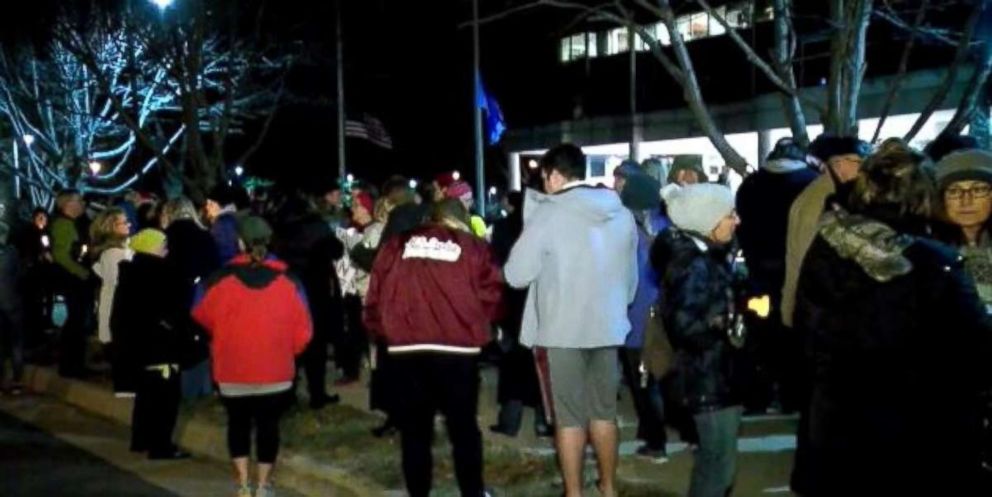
[
  {"x": 597, "y": 204},
  {"x": 677, "y": 246},
  {"x": 871, "y": 244},
  {"x": 784, "y": 166},
  {"x": 256, "y": 276}
]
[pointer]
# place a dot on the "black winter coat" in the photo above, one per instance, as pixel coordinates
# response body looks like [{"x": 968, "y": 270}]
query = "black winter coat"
[
  {"x": 308, "y": 246},
  {"x": 763, "y": 203},
  {"x": 192, "y": 251},
  {"x": 897, "y": 367},
  {"x": 151, "y": 321},
  {"x": 697, "y": 299}
]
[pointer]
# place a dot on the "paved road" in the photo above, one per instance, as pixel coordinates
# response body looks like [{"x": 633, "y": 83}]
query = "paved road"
[{"x": 50, "y": 449}]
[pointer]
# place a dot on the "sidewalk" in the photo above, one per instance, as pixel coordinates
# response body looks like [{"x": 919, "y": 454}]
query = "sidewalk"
[{"x": 332, "y": 453}]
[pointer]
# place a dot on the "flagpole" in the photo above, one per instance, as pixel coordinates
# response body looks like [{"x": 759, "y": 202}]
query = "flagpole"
[
  {"x": 339, "y": 45},
  {"x": 480, "y": 177}
]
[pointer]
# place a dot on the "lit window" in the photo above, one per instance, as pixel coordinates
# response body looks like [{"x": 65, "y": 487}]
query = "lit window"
[
  {"x": 699, "y": 26},
  {"x": 593, "y": 50},
  {"x": 661, "y": 33},
  {"x": 566, "y": 52},
  {"x": 616, "y": 41},
  {"x": 639, "y": 43},
  {"x": 717, "y": 29},
  {"x": 682, "y": 25},
  {"x": 739, "y": 16},
  {"x": 578, "y": 46},
  {"x": 767, "y": 14}
]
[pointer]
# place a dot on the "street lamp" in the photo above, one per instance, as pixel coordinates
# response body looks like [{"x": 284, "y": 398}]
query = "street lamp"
[
  {"x": 532, "y": 164},
  {"x": 28, "y": 139},
  {"x": 238, "y": 170},
  {"x": 162, "y": 4},
  {"x": 493, "y": 191},
  {"x": 413, "y": 184},
  {"x": 351, "y": 178},
  {"x": 456, "y": 175},
  {"x": 95, "y": 167}
]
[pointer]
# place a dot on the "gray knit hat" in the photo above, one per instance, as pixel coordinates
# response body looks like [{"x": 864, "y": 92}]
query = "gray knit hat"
[
  {"x": 965, "y": 165},
  {"x": 698, "y": 208}
]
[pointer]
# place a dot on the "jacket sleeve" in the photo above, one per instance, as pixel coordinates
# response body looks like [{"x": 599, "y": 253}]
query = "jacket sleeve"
[
  {"x": 204, "y": 303},
  {"x": 633, "y": 267},
  {"x": 688, "y": 318},
  {"x": 489, "y": 283},
  {"x": 302, "y": 326},
  {"x": 524, "y": 265},
  {"x": 63, "y": 237},
  {"x": 381, "y": 272}
]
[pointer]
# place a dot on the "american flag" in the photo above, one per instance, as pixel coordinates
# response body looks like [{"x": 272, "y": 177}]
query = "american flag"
[{"x": 371, "y": 129}]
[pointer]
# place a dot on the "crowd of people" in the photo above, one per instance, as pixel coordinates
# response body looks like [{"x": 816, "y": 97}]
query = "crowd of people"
[{"x": 846, "y": 283}]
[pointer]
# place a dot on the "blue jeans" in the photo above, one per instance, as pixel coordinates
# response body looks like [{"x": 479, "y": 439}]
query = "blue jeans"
[{"x": 716, "y": 459}]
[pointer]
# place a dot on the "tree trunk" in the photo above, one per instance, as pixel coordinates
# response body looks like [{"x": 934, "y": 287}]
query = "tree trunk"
[
  {"x": 847, "y": 64},
  {"x": 896, "y": 84},
  {"x": 784, "y": 53},
  {"x": 694, "y": 97}
]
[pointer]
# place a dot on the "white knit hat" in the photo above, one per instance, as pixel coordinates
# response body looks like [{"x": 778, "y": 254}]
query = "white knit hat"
[{"x": 699, "y": 207}]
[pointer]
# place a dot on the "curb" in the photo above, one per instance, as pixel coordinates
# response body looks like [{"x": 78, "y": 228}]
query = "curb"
[{"x": 296, "y": 471}]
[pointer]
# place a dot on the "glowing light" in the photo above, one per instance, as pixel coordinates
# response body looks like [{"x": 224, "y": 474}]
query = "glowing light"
[
  {"x": 95, "y": 167},
  {"x": 28, "y": 139},
  {"x": 162, "y": 4},
  {"x": 456, "y": 175},
  {"x": 493, "y": 191},
  {"x": 532, "y": 164},
  {"x": 413, "y": 184},
  {"x": 239, "y": 170},
  {"x": 351, "y": 178}
]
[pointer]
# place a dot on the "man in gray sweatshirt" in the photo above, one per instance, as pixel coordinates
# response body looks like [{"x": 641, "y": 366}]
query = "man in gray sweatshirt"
[{"x": 577, "y": 253}]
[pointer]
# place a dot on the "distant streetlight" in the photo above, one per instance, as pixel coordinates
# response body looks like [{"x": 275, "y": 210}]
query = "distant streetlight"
[
  {"x": 493, "y": 191},
  {"x": 28, "y": 139},
  {"x": 351, "y": 178},
  {"x": 162, "y": 4},
  {"x": 413, "y": 184},
  {"x": 95, "y": 167},
  {"x": 239, "y": 170},
  {"x": 532, "y": 164},
  {"x": 456, "y": 175}
]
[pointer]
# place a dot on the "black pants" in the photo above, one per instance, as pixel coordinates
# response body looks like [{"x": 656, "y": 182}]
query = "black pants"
[
  {"x": 72, "y": 339},
  {"x": 261, "y": 412},
  {"x": 156, "y": 406},
  {"x": 647, "y": 401},
  {"x": 314, "y": 359},
  {"x": 12, "y": 343},
  {"x": 352, "y": 344},
  {"x": 433, "y": 382}
]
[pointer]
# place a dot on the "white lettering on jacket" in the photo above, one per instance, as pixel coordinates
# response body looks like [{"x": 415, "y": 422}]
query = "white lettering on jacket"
[{"x": 420, "y": 247}]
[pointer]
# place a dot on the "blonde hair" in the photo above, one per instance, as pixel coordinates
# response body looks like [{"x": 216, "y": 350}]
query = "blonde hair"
[
  {"x": 181, "y": 208},
  {"x": 102, "y": 234},
  {"x": 383, "y": 207}
]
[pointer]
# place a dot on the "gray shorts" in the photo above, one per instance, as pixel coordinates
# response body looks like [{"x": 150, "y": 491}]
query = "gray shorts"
[{"x": 582, "y": 385}]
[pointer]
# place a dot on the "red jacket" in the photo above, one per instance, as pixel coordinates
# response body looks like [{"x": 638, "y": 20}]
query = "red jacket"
[
  {"x": 257, "y": 319},
  {"x": 433, "y": 289}
]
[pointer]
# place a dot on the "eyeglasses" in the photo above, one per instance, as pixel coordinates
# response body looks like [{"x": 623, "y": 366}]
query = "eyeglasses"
[{"x": 977, "y": 191}]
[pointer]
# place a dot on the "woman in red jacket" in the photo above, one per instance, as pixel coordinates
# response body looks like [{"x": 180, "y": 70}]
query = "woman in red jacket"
[
  {"x": 433, "y": 294},
  {"x": 258, "y": 322}
]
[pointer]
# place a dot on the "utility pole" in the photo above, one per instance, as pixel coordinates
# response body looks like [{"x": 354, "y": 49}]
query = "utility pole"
[
  {"x": 339, "y": 59},
  {"x": 480, "y": 174}
]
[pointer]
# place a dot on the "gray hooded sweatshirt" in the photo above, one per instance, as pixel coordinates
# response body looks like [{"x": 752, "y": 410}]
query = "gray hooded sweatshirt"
[{"x": 578, "y": 255}]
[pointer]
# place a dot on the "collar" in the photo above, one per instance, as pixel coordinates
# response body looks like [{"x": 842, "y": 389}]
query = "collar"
[
  {"x": 703, "y": 246},
  {"x": 570, "y": 185}
]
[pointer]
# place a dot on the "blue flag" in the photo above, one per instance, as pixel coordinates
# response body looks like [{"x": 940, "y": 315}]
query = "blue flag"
[{"x": 495, "y": 124}]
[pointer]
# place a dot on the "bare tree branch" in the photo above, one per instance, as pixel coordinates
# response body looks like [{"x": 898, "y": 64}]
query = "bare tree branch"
[
  {"x": 960, "y": 55},
  {"x": 896, "y": 84}
]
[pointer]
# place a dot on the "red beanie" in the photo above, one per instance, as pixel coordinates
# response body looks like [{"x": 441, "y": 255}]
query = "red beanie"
[
  {"x": 459, "y": 190},
  {"x": 365, "y": 200},
  {"x": 444, "y": 180}
]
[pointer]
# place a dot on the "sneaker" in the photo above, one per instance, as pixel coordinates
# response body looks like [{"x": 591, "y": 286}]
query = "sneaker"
[
  {"x": 657, "y": 456},
  {"x": 244, "y": 491},
  {"x": 265, "y": 491}
]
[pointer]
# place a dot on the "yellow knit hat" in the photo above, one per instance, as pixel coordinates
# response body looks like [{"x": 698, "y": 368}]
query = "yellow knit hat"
[{"x": 148, "y": 241}]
